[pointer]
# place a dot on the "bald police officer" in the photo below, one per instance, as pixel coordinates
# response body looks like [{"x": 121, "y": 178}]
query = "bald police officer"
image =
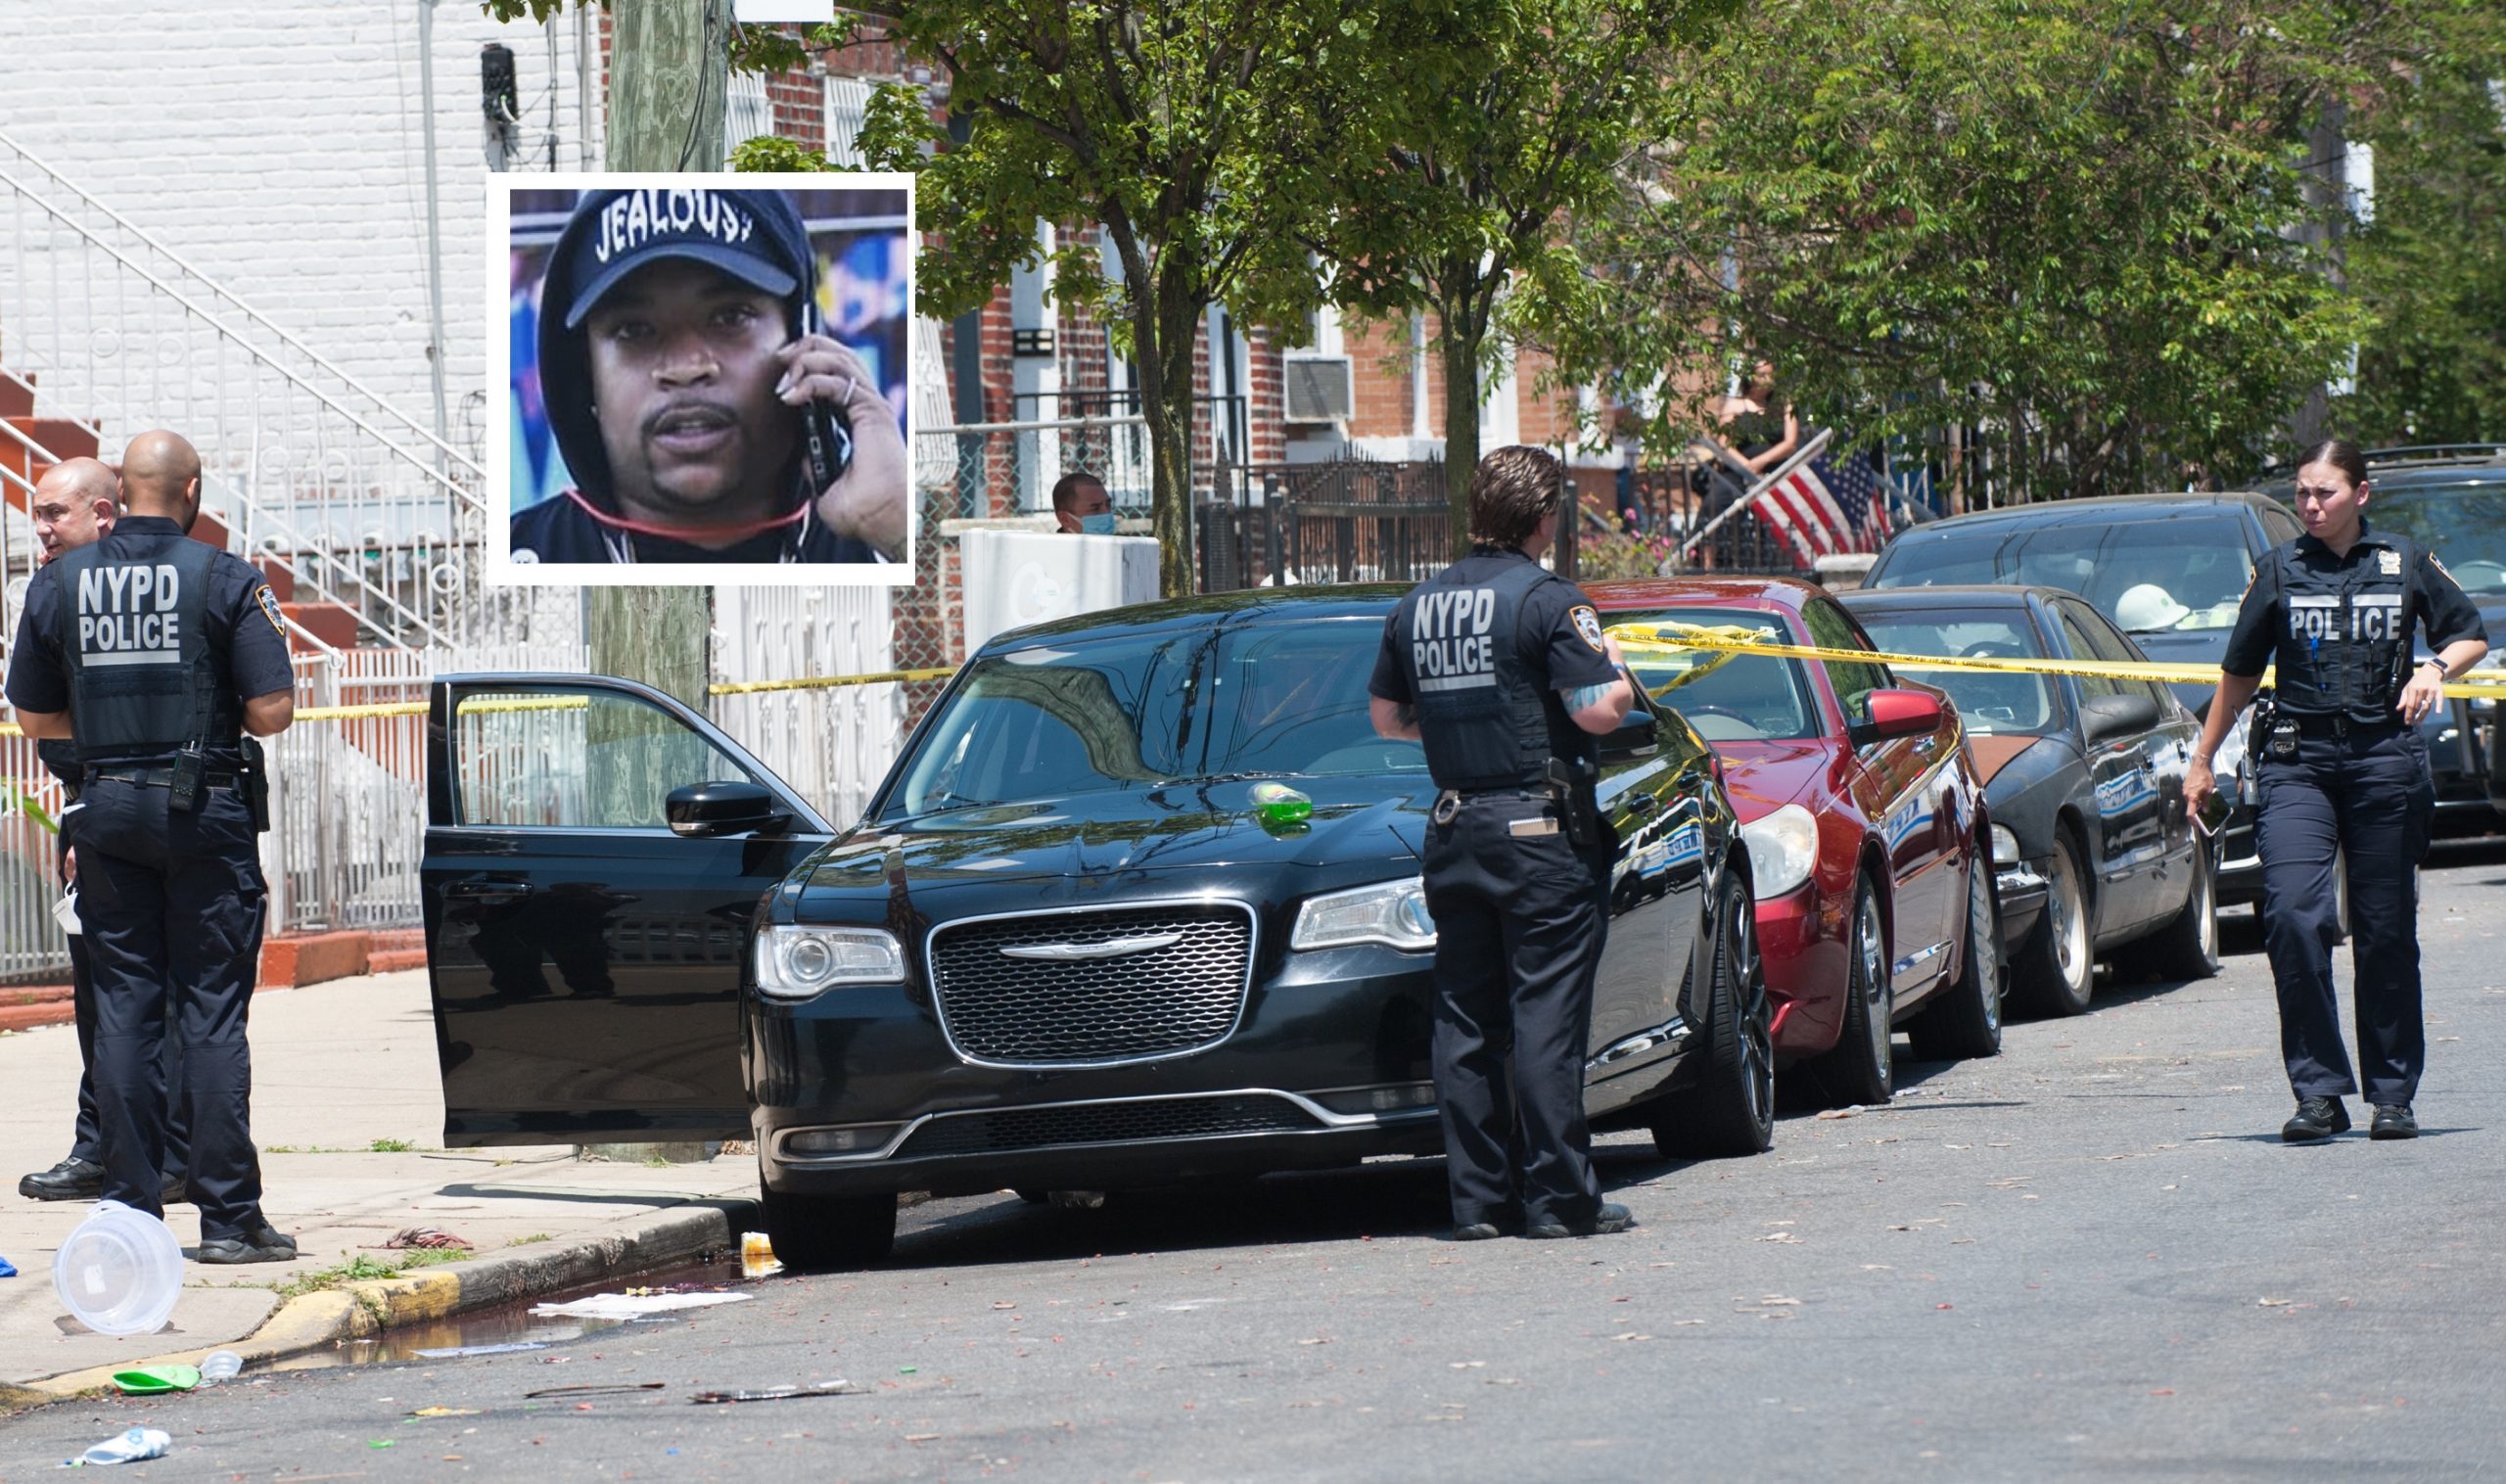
[
  {"x": 154, "y": 654},
  {"x": 2341, "y": 768},
  {"x": 1500, "y": 670}
]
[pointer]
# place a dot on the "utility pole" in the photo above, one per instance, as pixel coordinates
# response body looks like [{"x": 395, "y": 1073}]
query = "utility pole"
[{"x": 668, "y": 64}]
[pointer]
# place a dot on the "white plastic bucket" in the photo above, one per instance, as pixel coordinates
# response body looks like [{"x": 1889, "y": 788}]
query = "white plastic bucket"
[{"x": 121, "y": 1272}]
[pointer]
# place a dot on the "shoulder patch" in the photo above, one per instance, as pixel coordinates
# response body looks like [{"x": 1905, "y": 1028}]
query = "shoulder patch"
[
  {"x": 268, "y": 601},
  {"x": 1588, "y": 623},
  {"x": 2440, "y": 567}
]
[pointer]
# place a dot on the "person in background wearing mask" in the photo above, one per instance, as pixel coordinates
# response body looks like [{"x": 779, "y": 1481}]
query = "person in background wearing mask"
[{"x": 1082, "y": 506}]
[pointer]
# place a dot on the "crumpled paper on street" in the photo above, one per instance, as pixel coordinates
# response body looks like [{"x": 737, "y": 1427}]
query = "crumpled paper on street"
[{"x": 627, "y": 1305}]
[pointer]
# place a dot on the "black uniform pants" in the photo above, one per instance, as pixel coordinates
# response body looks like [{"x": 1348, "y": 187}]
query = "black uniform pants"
[
  {"x": 173, "y": 905},
  {"x": 86, "y": 1141},
  {"x": 2369, "y": 795},
  {"x": 1519, "y": 925}
]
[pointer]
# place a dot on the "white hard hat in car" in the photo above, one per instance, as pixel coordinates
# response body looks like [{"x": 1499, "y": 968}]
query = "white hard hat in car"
[{"x": 2149, "y": 606}]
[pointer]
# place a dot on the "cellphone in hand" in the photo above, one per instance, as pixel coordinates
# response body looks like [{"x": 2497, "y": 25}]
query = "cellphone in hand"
[{"x": 824, "y": 433}]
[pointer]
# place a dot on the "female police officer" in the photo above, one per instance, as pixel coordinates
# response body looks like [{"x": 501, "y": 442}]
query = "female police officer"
[{"x": 2342, "y": 765}]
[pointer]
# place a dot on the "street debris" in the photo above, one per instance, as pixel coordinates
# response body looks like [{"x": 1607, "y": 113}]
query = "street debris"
[
  {"x": 457, "y": 1352},
  {"x": 7, "y": 1268},
  {"x": 426, "y": 1238},
  {"x": 150, "y": 1380},
  {"x": 450, "y": 1411},
  {"x": 757, "y": 1256},
  {"x": 627, "y": 1305},
  {"x": 132, "y": 1447},
  {"x": 221, "y": 1366},
  {"x": 835, "y": 1388},
  {"x": 593, "y": 1389}
]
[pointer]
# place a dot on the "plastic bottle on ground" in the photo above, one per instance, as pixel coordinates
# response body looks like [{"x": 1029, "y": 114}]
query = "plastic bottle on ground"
[
  {"x": 130, "y": 1447},
  {"x": 221, "y": 1366}
]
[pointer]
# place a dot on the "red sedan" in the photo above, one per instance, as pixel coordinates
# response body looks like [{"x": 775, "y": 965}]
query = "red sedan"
[{"x": 1864, "y": 817}]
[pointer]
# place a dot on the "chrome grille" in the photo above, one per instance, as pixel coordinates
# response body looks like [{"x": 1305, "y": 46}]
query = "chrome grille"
[
  {"x": 1157, "y": 1001},
  {"x": 1008, "y": 1130}
]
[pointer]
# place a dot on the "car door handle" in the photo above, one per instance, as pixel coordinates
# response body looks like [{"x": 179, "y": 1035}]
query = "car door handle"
[
  {"x": 488, "y": 891},
  {"x": 1642, "y": 804}
]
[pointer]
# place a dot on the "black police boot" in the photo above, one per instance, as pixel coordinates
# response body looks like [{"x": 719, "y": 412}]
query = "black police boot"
[
  {"x": 1606, "y": 1220},
  {"x": 74, "y": 1179},
  {"x": 1476, "y": 1232},
  {"x": 2393, "y": 1120},
  {"x": 2316, "y": 1118},
  {"x": 177, "y": 1192},
  {"x": 262, "y": 1244}
]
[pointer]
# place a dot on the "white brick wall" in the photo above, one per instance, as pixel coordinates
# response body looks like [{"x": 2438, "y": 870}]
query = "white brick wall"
[{"x": 276, "y": 143}]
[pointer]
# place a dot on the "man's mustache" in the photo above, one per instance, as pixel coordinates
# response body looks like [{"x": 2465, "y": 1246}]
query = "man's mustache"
[{"x": 689, "y": 412}]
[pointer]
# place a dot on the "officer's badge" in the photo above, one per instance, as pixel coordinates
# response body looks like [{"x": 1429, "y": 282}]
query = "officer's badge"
[
  {"x": 271, "y": 610},
  {"x": 2389, "y": 563},
  {"x": 1589, "y": 624}
]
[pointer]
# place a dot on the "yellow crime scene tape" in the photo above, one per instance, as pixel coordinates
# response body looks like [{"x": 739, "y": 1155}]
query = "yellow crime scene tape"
[
  {"x": 1728, "y": 641},
  {"x": 575, "y": 703}
]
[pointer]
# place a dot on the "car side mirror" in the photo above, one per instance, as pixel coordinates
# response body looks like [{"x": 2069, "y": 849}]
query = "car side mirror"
[
  {"x": 1896, "y": 714},
  {"x": 2104, "y": 717},
  {"x": 701, "y": 810},
  {"x": 1632, "y": 739}
]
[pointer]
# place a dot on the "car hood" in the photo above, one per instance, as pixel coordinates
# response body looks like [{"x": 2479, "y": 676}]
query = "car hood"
[
  {"x": 1072, "y": 850},
  {"x": 1764, "y": 776},
  {"x": 1992, "y": 753}
]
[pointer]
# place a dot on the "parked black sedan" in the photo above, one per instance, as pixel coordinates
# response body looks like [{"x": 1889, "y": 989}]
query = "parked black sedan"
[
  {"x": 2168, "y": 569},
  {"x": 2084, "y": 780},
  {"x": 1067, "y": 948}
]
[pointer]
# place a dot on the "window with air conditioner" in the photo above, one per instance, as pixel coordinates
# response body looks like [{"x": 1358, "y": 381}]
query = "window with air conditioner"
[{"x": 1320, "y": 388}]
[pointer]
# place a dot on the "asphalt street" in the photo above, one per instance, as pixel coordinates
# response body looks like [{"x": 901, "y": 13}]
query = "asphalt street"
[{"x": 2091, "y": 1257}]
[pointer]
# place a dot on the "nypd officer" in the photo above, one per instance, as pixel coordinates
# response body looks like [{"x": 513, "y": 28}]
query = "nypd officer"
[
  {"x": 1500, "y": 668},
  {"x": 156, "y": 654},
  {"x": 2341, "y": 766}
]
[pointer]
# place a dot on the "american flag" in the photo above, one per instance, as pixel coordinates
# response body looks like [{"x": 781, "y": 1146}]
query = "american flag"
[{"x": 1828, "y": 506}]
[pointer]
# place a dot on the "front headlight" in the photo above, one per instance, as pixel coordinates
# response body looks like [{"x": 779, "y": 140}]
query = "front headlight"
[
  {"x": 2004, "y": 845},
  {"x": 1783, "y": 847},
  {"x": 796, "y": 963},
  {"x": 1389, "y": 911}
]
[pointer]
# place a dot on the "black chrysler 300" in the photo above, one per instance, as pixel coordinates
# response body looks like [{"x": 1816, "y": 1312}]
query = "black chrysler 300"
[{"x": 1065, "y": 949}]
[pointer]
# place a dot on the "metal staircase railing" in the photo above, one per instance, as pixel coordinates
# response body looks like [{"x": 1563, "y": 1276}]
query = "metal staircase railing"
[{"x": 301, "y": 461}]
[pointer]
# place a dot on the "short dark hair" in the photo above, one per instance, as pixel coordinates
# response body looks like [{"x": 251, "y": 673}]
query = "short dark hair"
[
  {"x": 1066, "y": 489},
  {"x": 2341, "y": 455},
  {"x": 1511, "y": 490}
]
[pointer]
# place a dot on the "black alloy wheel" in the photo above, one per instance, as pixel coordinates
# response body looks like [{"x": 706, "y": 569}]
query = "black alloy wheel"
[
  {"x": 1730, "y": 1109},
  {"x": 1965, "y": 1022}
]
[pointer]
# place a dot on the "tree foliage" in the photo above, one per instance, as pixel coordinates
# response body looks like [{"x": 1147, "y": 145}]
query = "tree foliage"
[{"x": 2065, "y": 221}]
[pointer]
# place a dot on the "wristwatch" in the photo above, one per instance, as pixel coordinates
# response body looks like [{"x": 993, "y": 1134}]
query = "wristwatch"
[{"x": 2442, "y": 670}]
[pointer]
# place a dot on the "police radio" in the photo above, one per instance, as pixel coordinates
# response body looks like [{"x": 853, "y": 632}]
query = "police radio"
[{"x": 825, "y": 431}]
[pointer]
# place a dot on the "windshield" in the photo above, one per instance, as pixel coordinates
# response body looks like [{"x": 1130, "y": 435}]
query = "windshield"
[
  {"x": 2006, "y": 704},
  {"x": 2465, "y": 524},
  {"x": 1727, "y": 697},
  {"x": 2162, "y": 572},
  {"x": 1139, "y": 712}
]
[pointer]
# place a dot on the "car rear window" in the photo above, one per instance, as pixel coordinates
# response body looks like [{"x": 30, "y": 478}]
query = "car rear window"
[
  {"x": 2465, "y": 524},
  {"x": 1728, "y": 697},
  {"x": 1048, "y": 722},
  {"x": 1990, "y": 703},
  {"x": 2196, "y": 561}
]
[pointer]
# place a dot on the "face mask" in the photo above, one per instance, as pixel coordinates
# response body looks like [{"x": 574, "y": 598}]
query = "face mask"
[{"x": 1099, "y": 523}]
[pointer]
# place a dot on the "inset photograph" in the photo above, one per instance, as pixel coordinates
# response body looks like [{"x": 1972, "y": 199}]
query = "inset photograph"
[{"x": 708, "y": 378}]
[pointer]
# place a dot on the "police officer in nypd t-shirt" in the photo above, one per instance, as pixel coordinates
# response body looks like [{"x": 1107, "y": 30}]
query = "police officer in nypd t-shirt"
[
  {"x": 680, "y": 365},
  {"x": 1500, "y": 669},
  {"x": 154, "y": 654},
  {"x": 2342, "y": 768}
]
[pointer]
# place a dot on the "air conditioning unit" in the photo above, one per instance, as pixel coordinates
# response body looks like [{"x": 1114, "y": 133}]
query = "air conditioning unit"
[{"x": 1321, "y": 389}]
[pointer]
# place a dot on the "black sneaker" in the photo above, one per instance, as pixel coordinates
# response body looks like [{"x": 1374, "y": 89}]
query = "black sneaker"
[
  {"x": 1476, "y": 1232},
  {"x": 2393, "y": 1120},
  {"x": 263, "y": 1243},
  {"x": 2316, "y": 1118},
  {"x": 74, "y": 1179},
  {"x": 1606, "y": 1220}
]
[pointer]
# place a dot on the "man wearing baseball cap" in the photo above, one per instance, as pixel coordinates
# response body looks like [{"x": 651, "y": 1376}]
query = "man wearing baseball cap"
[{"x": 680, "y": 362}]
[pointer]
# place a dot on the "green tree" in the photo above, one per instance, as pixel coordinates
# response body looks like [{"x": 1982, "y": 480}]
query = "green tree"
[
  {"x": 1504, "y": 122},
  {"x": 1201, "y": 135},
  {"x": 2070, "y": 225}
]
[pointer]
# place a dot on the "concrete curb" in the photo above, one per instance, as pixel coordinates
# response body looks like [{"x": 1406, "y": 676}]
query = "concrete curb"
[{"x": 356, "y": 1311}]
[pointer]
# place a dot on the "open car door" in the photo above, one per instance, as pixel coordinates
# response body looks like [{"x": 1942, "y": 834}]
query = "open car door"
[{"x": 582, "y": 955}]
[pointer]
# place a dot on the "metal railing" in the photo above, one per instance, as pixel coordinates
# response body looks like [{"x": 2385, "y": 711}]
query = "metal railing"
[
  {"x": 1357, "y": 520},
  {"x": 301, "y": 459}
]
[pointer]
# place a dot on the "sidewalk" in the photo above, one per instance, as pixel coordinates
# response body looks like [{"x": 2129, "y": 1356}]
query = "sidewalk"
[{"x": 337, "y": 1068}]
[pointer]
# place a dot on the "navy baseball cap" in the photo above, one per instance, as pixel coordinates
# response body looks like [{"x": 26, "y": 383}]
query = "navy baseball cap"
[{"x": 754, "y": 236}]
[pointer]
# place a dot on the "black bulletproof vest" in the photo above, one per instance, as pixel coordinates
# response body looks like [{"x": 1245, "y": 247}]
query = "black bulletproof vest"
[
  {"x": 2346, "y": 627},
  {"x": 134, "y": 631},
  {"x": 1482, "y": 711}
]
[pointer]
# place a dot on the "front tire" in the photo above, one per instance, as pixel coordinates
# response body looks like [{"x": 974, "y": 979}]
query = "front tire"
[
  {"x": 1966, "y": 1022},
  {"x": 820, "y": 1233},
  {"x": 1863, "y": 1067},
  {"x": 2188, "y": 947},
  {"x": 2058, "y": 969},
  {"x": 1730, "y": 1109}
]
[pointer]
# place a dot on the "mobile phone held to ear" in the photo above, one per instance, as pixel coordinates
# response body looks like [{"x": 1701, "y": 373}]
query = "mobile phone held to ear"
[{"x": 824, "y": 431}]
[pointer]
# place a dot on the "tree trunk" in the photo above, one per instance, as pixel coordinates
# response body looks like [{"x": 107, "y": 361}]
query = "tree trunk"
[
  {"x": 1166, "y": 312},
  {"x": 1458, "y": 343}
]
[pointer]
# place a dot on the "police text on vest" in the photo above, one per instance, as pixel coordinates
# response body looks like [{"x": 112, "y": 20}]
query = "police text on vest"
[{"x": 127, "y": 616}]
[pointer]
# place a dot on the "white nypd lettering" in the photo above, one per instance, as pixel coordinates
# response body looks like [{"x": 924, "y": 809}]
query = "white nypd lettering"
[
  {"x": 641, "y": 217},
  {"x": 127, "y": 616},
  {"x": 1451, "y": 647}
]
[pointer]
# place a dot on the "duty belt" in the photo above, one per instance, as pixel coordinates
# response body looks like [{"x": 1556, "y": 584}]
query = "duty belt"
[
  {"x": 1448, "y": 802},
  {"x": 2338, "y": 724},
  {"x": 164, "y": 777}
]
